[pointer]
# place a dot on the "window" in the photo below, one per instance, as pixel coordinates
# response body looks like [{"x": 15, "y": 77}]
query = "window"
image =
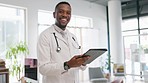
[
  {"x": 129, "y": 24},
  {"x": 144, "y": 22},
  {"x": 134, "y": 32},
  {"x": 45, "y": 19},
  {"x": 135, "y": 36},
  {"x": 12, "y": 27},
  {"x": 81, "y": 22}
]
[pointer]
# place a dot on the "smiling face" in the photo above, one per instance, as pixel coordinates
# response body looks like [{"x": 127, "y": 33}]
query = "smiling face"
[{"x": 62, "y": 15}]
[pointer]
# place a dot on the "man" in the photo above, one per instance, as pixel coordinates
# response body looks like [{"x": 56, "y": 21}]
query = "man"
[{"x": 57, "y": 49}]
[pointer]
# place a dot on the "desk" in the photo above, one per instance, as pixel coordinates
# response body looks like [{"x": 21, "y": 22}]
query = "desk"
[{"x": 5, "y": 71}]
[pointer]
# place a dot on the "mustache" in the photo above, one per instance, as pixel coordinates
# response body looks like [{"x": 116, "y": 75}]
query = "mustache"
[{"x": 64, "y": 17}]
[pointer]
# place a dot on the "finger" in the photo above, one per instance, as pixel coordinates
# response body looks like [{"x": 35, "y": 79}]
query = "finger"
[
  {"x": 77, "y": 56},
  {"x": 85, "y": 58},
  {"x": 81, "y": 61}
]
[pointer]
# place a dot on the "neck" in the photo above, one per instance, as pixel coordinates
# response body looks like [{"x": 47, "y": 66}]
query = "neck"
[{"x": 61, "y": 27}]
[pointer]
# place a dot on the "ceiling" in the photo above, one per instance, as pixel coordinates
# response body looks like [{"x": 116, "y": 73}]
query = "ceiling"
[
  {"x": 129, "y": 7},
  {"x": 103, "y": 2}
]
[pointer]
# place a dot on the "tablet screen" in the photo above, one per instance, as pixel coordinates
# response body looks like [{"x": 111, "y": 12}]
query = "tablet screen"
[{"x": 94, "y": 53}]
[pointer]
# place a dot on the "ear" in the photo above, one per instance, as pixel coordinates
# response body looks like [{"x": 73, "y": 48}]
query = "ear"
[{"x": 54, "y": 14}]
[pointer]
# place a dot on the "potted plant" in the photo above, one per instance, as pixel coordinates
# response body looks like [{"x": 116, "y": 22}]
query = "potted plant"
[
  {"x": 105, "y": 65},
  {"x": 105, "y": 62},
  {"x": 144, "y": 48},
  {"x": 15, "y": 56}
]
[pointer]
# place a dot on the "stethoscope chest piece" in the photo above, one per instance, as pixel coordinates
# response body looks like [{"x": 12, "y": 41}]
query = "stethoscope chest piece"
[{"x": 58, "y": 49}]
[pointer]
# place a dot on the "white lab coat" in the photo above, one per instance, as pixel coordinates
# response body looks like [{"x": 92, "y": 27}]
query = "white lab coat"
[{"x": 51, "y": 62}]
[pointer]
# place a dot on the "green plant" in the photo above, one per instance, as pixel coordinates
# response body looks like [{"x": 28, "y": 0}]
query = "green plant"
[
  {"x": 105, "y": 63},
  {"x": 14, "y": 54}
]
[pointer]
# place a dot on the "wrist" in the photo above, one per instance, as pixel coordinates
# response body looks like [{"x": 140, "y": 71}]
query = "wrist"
[
  {"x": 66, "y": 66},
  {"x": 83, "y": 64}
]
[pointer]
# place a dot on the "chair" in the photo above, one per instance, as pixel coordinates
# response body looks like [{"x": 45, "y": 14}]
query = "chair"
[{"x": 96, "y": 75}]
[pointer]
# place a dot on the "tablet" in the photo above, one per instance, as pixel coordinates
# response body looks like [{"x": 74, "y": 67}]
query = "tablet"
[{"x": 93, "y": 53}]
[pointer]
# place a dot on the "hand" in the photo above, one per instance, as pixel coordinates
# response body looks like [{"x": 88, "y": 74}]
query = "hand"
[
  {"x": 77, "y": 61},
  {"x": 86, "y": 57}
]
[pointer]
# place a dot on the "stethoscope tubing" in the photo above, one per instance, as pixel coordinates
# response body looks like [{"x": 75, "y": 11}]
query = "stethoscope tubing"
[
  {"x": 59, "y": 48},
  {"x": 76, "y": 42}
]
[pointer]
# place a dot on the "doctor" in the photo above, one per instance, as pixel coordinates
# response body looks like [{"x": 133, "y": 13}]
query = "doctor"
[{"x": 57, "y": 50}]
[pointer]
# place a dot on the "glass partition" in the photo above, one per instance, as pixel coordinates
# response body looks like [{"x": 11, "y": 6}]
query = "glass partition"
[{"x": 136, "y": 55}]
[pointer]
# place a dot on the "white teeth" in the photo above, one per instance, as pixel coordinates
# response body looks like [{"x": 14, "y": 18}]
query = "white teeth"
[{"x": 64, "y": 19}]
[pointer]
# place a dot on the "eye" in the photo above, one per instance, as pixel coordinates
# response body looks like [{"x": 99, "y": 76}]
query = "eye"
[
  {"x": 69, "y": 13},
  {"x": 61, "y": 12}
]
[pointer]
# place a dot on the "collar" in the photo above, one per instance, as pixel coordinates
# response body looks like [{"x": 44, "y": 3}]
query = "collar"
[{"x": 59, "y": 30}]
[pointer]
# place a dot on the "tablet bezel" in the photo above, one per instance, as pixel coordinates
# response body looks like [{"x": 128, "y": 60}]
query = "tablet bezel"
[{"x": 93, "y": 53}]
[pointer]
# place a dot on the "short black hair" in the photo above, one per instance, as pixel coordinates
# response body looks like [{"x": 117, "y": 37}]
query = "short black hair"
[{"x": 63, "y": 2}]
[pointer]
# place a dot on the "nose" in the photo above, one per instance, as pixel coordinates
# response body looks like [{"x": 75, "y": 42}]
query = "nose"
[{"x": 64, "y": 14}]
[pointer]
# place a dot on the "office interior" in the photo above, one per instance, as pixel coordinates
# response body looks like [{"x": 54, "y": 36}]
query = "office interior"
[{"x": 120, "y": 26}]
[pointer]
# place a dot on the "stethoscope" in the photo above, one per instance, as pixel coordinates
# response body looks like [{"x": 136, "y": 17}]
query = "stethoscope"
[{"x": 58, "y": 47}]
